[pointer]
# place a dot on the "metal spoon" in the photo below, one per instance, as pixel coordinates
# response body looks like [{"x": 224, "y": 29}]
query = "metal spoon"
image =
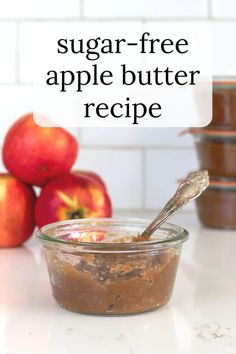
[{"x": 189, "y": 189}]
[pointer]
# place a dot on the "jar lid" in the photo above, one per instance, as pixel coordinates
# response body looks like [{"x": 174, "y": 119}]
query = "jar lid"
[
  {"x": 213, "y": 133},
  {"x": 223, "y": 183},
  {"x": 224, "y": 82},
  {"x": 219, "y": 183}
]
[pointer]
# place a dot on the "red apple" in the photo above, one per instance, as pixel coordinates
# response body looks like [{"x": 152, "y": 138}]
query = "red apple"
[
  {"x": 36, "y": 155},
  {"x": 17, "y": 202},
  {"x": 91, "y": 174},
  {"x": 71, "y": 196}
]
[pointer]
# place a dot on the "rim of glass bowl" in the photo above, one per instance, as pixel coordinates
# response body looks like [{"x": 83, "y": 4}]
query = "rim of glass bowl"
[{"x": 175, "y": 235}]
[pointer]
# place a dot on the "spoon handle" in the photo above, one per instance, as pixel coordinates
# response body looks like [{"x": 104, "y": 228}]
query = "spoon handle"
[{"x": 189, "y": 189}]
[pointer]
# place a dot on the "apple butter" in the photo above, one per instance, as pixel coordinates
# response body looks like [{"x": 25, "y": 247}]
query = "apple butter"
[
  {"x": 112, "y": 283},
  {"x": 217, "y": 205},
  {"x": 224, "y": 104},
  {"x": 95, "y": 267},
  {"x": 216, "y": 151}
]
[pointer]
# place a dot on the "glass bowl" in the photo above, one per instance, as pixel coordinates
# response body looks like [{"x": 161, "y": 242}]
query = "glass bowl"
[{"x": 94, "y": 267}]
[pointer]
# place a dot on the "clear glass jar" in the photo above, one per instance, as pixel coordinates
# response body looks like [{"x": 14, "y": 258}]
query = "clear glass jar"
[
  {"x": 94, "y": 267},
  {"x": 216, "y": 207},
  {"x": 224, "y": 103},
  {"x": 216, "y": 150}
]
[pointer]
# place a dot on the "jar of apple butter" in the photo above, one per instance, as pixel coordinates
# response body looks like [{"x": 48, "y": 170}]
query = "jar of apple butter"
[
  {"x": 95, "y": 267},
  {"x": 216, "y": 150},
  {"x": 216, "y": 206},
  {"x": 224, "y": 103}
]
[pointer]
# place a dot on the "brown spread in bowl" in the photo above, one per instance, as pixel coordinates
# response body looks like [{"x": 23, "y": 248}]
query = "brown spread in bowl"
[{"x": 108, "y": 277}]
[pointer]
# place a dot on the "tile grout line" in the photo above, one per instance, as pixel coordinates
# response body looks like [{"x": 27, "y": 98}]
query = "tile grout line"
[
  {"x": 144, "y": 189},
  {"x": 109, "y": 19},
  {"x": 209, "y": 9},
  {"x": 149, "y": 210},
  {"x": 17, "y": 56},
  {"x": 16, "y": 83},
  {"x": 119, "y": 19},
  {"x": 79, "y": 134},
  {"x": 81, "y": 9},
  {"x": 136, "y": 147}
]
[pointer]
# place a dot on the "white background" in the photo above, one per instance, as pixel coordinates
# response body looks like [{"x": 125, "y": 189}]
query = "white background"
[{"x": 141, "y": 166}]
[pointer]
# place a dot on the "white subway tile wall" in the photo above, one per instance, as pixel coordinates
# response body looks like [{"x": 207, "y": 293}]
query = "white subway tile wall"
[
  {"x": 145, "y": 8},
  {"x": 224, "y": 8},
  {"x": 224, "y": 51},
  {"x": 122, "y": 170},
  {"x": 43, "y": 9},
  {"x": 163, "y": 168},
  {"x": 15, "y": 100},
  {"x": 8, "y": 60},
  {"x": 140, "y": 166},
  {"x": 144, "y": 137}
]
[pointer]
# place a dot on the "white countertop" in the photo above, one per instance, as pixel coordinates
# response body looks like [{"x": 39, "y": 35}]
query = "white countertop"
[{"x": 200, "y": 318}]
